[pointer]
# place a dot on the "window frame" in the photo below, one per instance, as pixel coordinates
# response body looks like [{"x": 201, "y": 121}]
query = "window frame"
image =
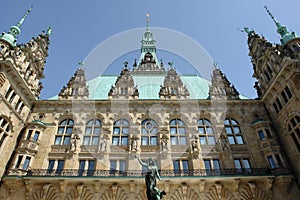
[
  {"x": 92, "y": 125},
  {"x": 66, "y": 126},
  {"x": 175, "y": 131},
  {"x": 119, "y": 136},
  {"x": 232, "y": 135},
  {"x": 205, "y": 135},
  {"x": 147, "y": 133}
]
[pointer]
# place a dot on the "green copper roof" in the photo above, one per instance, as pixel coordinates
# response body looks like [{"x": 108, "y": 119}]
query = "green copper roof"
[
  {"x": 282, "y": 30},
  {"x": 11, "y": 36},
  {"x": 148, "y": 85},
  {"x": 100, "y": 86}
]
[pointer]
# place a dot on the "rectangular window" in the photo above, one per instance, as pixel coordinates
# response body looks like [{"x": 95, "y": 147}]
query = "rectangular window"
[
  {"x": 57, "y": 140},
  {"x": 153, "y": 140},
  {"x": 278, "y": 159},
  {"x": 202, "y": 140},
  {"x": 279, "y": 103},
  {"x": 144, "y": 140},
  {"x": 237, "y": 164},
  {"x": 60, "y": 166},
  {"x": 211, "y": 140},
  {"x": 268, "y": 133},
  {"x": 122, "y": 167},
  {"x": 9, "y": 91},
  {"x": 216, "y": 166},
  {"x": 285, "y": 98},
  {"x": 176, "y": 166},
  {"x": 288, "y": 92},
  {"x": 271, "y": 162},
  {"x": 174, "y": 140},
  {"x": 20, "y": 158},
  {"x": 29, "y": 134},
  {"x": 11, "y": 98},
  {"x": 261, "y": 135},
  {"x": 207, "y": 166},
  {"x": 81, "y": 167},
  {"x": 26, "y": 163},
  {"x": 113, "y": 167},
  {"x": 91, "y": 168},
  {"x": 86, "y": 140},
  {"x": 36, "y": 136},
  {"x": 115, "y": 141},
  {"x": 50, "y": 166},
  {"x": 275, "y": 107},
  {"x": 185, "y": 166}
]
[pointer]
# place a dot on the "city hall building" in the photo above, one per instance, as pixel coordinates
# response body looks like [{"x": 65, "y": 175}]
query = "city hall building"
[{"x": 207, "y": 140}]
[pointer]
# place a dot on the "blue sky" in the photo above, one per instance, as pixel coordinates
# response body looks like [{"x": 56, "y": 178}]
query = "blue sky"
[{"x": 79, "y": 26}]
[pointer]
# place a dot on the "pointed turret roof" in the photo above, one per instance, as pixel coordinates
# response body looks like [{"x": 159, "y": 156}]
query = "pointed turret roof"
[
  {"x": 11, "y": 36},
  {"x": 148, "y": 43},
  {"x": 282, "y": 30}
]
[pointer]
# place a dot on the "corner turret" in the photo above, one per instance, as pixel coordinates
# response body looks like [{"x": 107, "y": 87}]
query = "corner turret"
[
  {"x": 282, "y": 30},
  {"x": 11, "y": 36}
]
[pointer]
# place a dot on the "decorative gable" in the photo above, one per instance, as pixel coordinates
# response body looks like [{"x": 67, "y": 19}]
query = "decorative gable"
[
  {"x": 124, "y": 87},
  {"x": 221, "y": 88},
  {"x": 173, "y": 87},
  {"x": 76, "y": 87}
]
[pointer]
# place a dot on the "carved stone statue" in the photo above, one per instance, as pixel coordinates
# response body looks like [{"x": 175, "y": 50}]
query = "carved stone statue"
[
  {"x": 164, "y": 142},
  {"x": 153, "y": 193}
]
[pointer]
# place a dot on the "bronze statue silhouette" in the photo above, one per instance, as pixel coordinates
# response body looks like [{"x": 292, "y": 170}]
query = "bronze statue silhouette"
[{"x": 153, "y": 193}]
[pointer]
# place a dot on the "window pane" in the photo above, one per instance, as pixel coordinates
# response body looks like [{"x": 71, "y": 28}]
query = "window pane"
[
  {"x": 125, "y": 131},
  {"x": 176, "y": 166},
  {"x": 60, "y": 130},
  {"x": 86, "y": 140},
  {"x": 125, "y": 123},
  {"x": 57, "y": 140},
  {"x": 180, "y": 123},
  {"x": 201, "y": 130},
  {"x": 97, "y": 122},
  {"x": 153, "y": 131},
  {"x": 237, "y": 164},
  {"x": 174, "y": 141},
  {"x": 26, "y": 163},
  {"x": 228, "y": 130},
  {"x": 246, "y": 163},
  {"x": 115, "y": 141},
  {"x": 81, "y": 167},
  {"x": 216, "y": 164},
  {"x": 95, "y": 141},
  {"x": 209, "y": 130},
  {"x": 118, "y": 123},
  {"x": 60, "y": 166},
  {"x": 50, "y": 166},
  {"x": 271, "y": 162},
  {"x": 91, "y": 168},
  {"x": 90, "y": 123},
  {"x": 183, "y": 141},
  {"x": 144, "y": 140},
  {"x": 64, "y": 122},
  {"x": 36, "y": 136},
  {"x": 122, "y": 166},
  {"x": 71, "y": 122},
  {"x": 207, "y": 164},
  {"x": 96, "y": 131},
  {"x": 124, "y": 141},
  {"x": 211, "y": 140},
  {"x": 231, "y": 140},
  {"x": 202, "y": 140},
  {"x": 239, "y": 140},
  {"x": 173, "y": 130},
  {"x": 66, "y": 140},
  {"x": 226, "y": 122},
  {"x": 69, "y": 130},
  {"x": 185, "y": 165},
  {"x": 236, "y": 129},
  {"x": 200, "y": 122},
  {"x": 88, "y": 131},
  {"x": 116, "y": 131},
  {"x": 153, "y": 140},
  {"x": 173, "y": 122},
  {"x": 181, "y": 130},
  {"x": 261, "y": 135},
  {"x": 233, "y": 122}
]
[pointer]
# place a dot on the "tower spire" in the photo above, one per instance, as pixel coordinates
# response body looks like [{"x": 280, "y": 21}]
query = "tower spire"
[
  {"x": 11, "y": 36},
  {"x": 148, "y": 21},
  {"x": 281, "y": 29}
]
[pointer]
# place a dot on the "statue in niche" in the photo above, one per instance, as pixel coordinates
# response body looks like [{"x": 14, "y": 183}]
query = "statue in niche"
[
  {"x": 153, "y": 193},
  {"x": 133, "y": 145},
  {"x": 103, "y": 145},
  {"x": 164, "y": 142},
  {"x": 194, "y": 143}
]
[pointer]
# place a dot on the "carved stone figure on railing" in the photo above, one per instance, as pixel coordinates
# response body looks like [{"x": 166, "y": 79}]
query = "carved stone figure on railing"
[
  {"x": 153, "y": 193},
  {"x": 103, "y": 145},
  {"x": 133, "y": 143}
]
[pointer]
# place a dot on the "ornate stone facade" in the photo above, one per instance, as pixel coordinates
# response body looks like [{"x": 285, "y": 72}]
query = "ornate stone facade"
[{"x": 221, "y": 147}]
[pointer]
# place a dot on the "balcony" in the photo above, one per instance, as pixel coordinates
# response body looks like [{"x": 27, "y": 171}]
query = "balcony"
[{"x": 163, "y": 173}]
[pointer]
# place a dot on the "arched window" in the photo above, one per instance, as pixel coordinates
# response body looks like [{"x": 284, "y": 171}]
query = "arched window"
[
  {"x": 177, "y": 132},
  {"x": 205, "y": 131},
  {"x": 92, "y": 132},
  {"x": 120, "y": 133},
  {"x": 294, "y": 131},
  {"x": 64, "y": 132},
  {"x": 4, "y": 130},
  {"x": 149, "y": 132},
  {"x": 233, "y": 131}
]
